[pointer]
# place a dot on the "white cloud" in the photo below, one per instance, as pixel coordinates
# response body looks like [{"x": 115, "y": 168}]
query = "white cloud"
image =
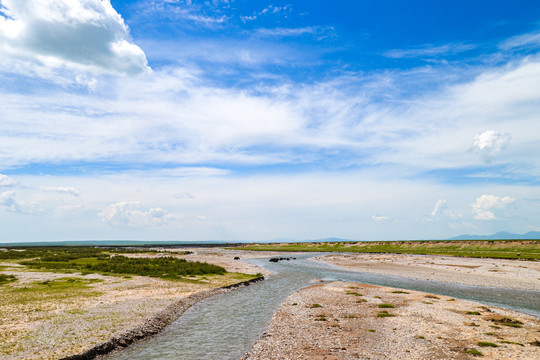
[
  {"x": 428, "y": 51},
  {"x": 530, "y": 40},
  {"x": 439, "y": 208},
  {"x": 484, "y": 206},
  {"x": 8, "y": 201},
  {"x": 7, "y": 181},
  {"x": 380, "y": 218},
  {"x": 320, "y": 32},
  {"x": 61, "y": 189},
  {"x": 129, "y": 213},
  {"x": 79, "y": 34},
  {"x": 490, "y": 142}
]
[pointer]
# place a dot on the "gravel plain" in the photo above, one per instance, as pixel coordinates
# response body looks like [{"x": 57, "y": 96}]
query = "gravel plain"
[{"x": 340, "y": 321}]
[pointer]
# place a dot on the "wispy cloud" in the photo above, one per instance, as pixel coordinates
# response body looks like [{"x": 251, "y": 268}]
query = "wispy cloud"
[
  {"x": 524, "y": 41},
  {"x": 429, "y": 51},
  {"x": 61, "y": 190},
  {"x": 318, "y": 31}
]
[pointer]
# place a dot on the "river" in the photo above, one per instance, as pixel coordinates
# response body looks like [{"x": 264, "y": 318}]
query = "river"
[{"x": 225, "y": 326}]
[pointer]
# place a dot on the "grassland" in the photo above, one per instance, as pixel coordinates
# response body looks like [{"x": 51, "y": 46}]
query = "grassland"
[
  {"x": 106, "y": 261},
  {"x": 500, "y": 249},
  {"x": 59, "y": 301}
]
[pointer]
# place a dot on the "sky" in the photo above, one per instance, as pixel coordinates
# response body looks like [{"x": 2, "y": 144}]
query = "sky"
[{"x": 249, "y": 120}]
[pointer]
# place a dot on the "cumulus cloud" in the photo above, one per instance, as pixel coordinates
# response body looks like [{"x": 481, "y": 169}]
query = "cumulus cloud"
[
  {"x": 484, "y": 206},
  {"x": 83, "y": 34},
  {"x": 7, "y": 181},
  {"x": 380, "y": 218},
  {"x": 61, "y": 190},
  {"x": 129, "y": 213},
  {"x": 489, "y": 143}
]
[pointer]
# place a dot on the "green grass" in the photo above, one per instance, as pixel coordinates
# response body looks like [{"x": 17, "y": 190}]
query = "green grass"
[
  {"x": 353, "y": 293},
  {"x": 4, "y": 279},
  {"x": 399, "y": 292},
  {"x": 506, "y": 321},
  {"x": 65, "y": 253},
  {"x": 474, "y": 352},
  {"x": 371, "y": 330},
  {"x": 486, "y": 344},
  {"x": 384, "y": 314},
  {"x": 502, "y": 249},
  {"x": 472, "y": 313},
  {"x": 163, "y": 267},
  {"x": 387, "y": 306},
  {"x": 314, "y": 306},
  {"x": 49, "y": 291},
  {"x": 511, "y": 342}
]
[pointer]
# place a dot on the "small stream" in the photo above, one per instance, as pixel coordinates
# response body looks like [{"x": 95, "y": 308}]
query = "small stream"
[{"x": 225, "y": 326}]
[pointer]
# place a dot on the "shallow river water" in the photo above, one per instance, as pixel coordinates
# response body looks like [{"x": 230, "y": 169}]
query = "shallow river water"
[{"x": 225, "y": 326}]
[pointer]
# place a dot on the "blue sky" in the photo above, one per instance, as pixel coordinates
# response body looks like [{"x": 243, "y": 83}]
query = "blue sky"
[{"x": 257, "y": 120}]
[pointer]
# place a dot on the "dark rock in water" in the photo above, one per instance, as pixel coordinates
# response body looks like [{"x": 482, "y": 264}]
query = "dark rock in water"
[
  {"x": 237, "y": 258},
  {"x": 281, "y": 258}
]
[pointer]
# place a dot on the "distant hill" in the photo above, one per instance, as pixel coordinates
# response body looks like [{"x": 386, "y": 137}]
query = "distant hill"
[{"x": 501, "y": 235}]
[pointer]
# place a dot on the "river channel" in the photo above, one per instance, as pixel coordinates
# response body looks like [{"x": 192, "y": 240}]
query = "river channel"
[{"x": 225, "y": 326}]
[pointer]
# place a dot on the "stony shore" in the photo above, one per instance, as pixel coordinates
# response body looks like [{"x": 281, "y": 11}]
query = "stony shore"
[{"x": 358, "y": 321}]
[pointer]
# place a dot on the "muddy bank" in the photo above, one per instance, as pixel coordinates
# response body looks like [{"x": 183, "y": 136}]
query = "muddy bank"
[{"x": 154, "y": 325}]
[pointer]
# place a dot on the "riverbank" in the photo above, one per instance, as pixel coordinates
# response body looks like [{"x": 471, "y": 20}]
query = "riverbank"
[
  {"x": 356, "y": 321},
  {"x": 510, "y": 274},
  {"x": 48, "y": 315}
]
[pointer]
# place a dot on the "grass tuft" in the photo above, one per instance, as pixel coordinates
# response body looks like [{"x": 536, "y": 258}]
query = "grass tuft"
[
  {"x": 384, "y": 314},
  {"x": 383, "y": 306},
  {"x": 474, "y": 352},
  {"x": 510, "y": 342},
  {"x": 486, "y": 344}
]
